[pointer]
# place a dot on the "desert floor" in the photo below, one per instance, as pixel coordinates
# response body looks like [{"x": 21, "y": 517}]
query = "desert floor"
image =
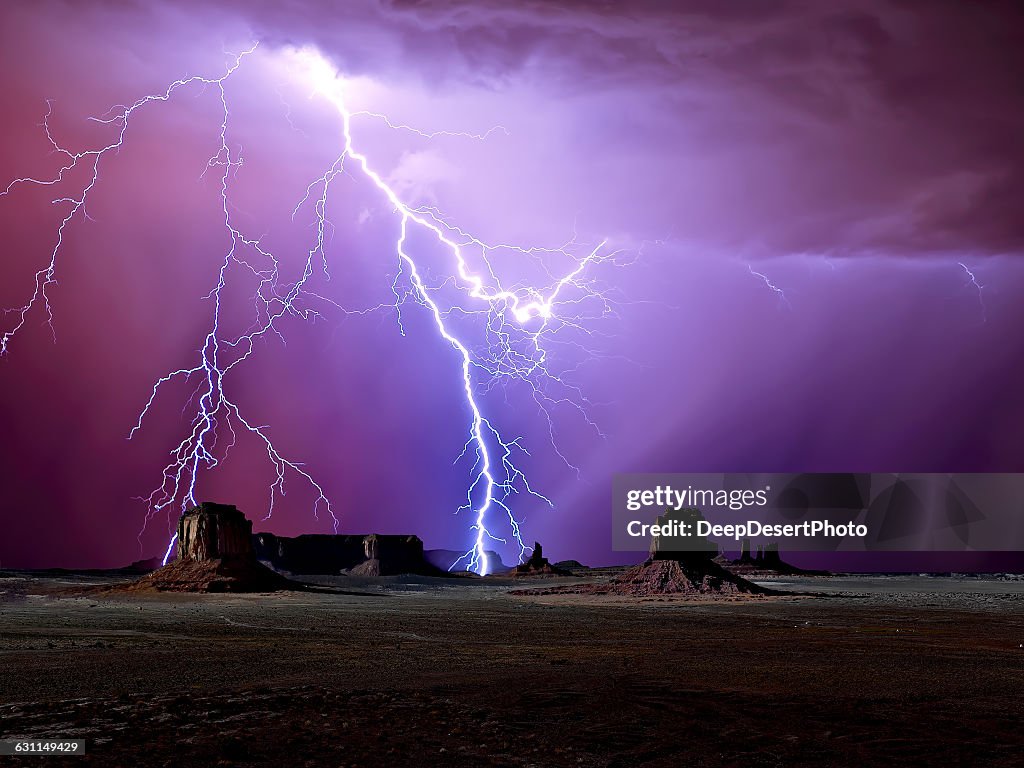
[{"x": 872, "y": 671}]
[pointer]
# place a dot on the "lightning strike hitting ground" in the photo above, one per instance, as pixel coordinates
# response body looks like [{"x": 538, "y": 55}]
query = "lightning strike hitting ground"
[{"x": 517, "y": 321}]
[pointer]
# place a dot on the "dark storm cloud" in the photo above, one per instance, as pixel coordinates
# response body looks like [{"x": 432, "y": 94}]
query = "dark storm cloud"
[
  {"x": 885, "y": 127},
  {"x": 849, "y": 127}
]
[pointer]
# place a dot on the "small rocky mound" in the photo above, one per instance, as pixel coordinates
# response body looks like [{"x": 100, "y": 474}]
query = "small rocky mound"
[
  {"x": 537, "y": 565},
  {"x": 682, "y": 576},
  {"x": 221, "y": 575},
  {"x": 215, "y": 554},
  {"x": 571, "y": 565},
  {"x": 371, "y": 567},
  {"x": 685, "y": 574}
]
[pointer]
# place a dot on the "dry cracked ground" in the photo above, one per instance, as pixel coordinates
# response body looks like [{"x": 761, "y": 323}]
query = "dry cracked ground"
[{"x": 868, "y": 671}]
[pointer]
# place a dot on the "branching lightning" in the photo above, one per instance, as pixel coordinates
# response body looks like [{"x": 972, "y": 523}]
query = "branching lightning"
[{"x": 518, "y": 323}]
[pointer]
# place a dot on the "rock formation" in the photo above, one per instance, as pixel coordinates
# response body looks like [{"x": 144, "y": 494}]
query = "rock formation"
[
  {"x": 356, "y": 555},
  {"x": 571, "y": 565},
  {"x": 392, "y": 555},
  {"x": 214, "y": 532},
  {"x": 538, "y": 565},
  {"x": 679, "y": 575},
  {"x": 675, "y": 567},
  {"x": 765, "y": 560},
  {"x": 215, "y": 554},
  {"x": 745, "y": 558}
]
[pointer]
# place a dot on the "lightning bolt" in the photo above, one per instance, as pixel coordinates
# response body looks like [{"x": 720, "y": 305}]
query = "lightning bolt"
[
  {"x": 427, "y": 134},
  {"x": 771, "y": 286},
  {"x": 978, "y": 287},
  {"x": 519, "y": 322}
]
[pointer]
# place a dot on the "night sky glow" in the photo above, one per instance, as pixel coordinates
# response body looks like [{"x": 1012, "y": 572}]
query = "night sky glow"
[{"x": 686, "y": 237}]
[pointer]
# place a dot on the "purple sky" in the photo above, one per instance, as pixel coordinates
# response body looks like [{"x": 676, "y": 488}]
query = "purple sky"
[{"x": 857, "y": 154}]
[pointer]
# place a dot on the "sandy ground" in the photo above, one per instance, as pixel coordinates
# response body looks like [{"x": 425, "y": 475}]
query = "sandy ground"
[{"x": 873, "y": 671}]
